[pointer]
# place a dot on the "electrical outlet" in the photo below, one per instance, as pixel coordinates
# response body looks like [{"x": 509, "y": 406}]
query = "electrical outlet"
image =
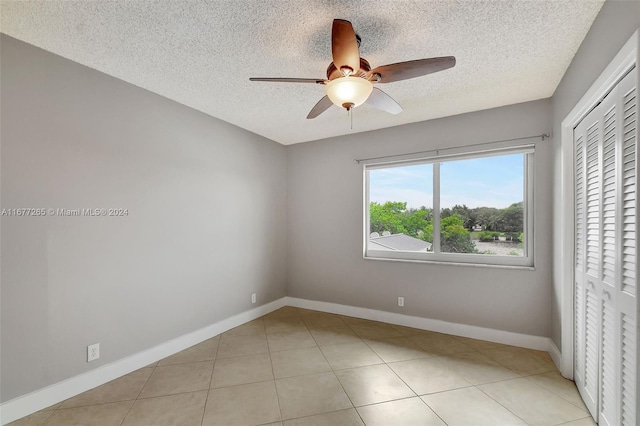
[
  {"x": 93, "y": 352},
  {"x": 253, "y": 298},
  {"x": 401, "y": 301}
]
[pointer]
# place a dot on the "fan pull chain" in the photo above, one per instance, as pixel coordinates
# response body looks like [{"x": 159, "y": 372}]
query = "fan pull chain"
[{"x": 351, "y": 117}]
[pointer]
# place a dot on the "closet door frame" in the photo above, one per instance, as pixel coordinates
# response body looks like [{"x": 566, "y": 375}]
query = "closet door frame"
[{"x": 621, "y": 64}]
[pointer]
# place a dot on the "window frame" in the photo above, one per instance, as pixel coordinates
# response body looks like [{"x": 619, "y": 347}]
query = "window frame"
[{"x": 436, "y": 158}]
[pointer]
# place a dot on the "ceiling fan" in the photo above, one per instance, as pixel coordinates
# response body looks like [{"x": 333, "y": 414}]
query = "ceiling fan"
[{"x": 350, "y": 79}]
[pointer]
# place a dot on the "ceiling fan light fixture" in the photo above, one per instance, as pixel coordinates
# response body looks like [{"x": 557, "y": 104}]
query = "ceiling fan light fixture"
[
  {"x": 351, "y": 91},
  {"x": 350, "y": 79}
]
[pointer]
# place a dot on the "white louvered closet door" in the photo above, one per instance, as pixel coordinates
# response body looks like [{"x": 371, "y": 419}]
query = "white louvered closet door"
[
  {"x": 606, "y": 320},
  {"x": 588, "y": 286}
]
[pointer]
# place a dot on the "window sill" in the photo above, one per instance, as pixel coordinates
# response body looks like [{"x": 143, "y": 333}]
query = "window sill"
[{"x": 449, "y": 263}]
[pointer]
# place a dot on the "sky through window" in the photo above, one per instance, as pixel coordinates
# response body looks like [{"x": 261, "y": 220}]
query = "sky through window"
[{"x": 480, "y": 182}]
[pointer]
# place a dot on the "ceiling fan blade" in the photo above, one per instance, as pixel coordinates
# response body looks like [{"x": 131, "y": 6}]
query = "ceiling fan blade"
[
  {"x": 410, "y": 69},
  {"x": 344, "y": 46},
  {"x": 383, "y": 102},
  {"x": 290, "y": 80},
  {"x": 322, "y": 105}
]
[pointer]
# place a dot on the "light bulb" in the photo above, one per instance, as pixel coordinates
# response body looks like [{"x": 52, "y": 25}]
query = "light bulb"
[{"x": 348, "y": 92}]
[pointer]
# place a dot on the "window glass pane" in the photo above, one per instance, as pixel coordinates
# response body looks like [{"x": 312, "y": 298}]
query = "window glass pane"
[
  {"x": 401, "y": 208},
  {"x": 481, "y": 206}
]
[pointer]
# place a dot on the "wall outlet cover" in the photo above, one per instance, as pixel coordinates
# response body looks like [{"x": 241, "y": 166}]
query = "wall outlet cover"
[{"x": 93, "y": 352}]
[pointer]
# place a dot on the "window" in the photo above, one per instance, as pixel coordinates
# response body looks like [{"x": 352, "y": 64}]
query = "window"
[{"x": 469, "y": 207}]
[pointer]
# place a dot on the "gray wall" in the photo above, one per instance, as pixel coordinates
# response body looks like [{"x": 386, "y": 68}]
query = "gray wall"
[
  {"x": 325, "y": 191},
  {"x": 614, "y": 25},
  {"x": 206, "y": 224},
  {"x": 208, "y": 204}
]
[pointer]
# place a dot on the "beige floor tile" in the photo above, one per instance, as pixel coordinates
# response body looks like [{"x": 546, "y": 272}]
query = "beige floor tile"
[
  {"x": 428, "y": 375},
  {"x": 477, "y": 368},
  {"x": 309, "y": 395},
  {"x": 286, "y": 311},
  {"x": 298, "y": 362},
  {"x": 178, "y": 378},
  {"x": 350, "y": 355},
  {"x": 231, "y": 346},
  {"x": 304, "y": 312},
  {"x": 125, "y": 388},
  {"x": 274, "y": 325},
  {"x": 470, "y": 406},
  {"x": 285, "y": 340},
  {"x": 348, "y": 417},
  {"x": 404, "y": 412},
  {"x": 334, "y": 335},
  {"x": 408, "y": 331},
  {"x": 373, "y": 384},
  {"x": 251, "y": 404},
  {"x": 393, "y": 349},
  {"x": 555, "y": 383},
  {"x": 587, "y": 421},
  {"x": 242, "y": 370},
  {"x": 478, "y": 345},
  {"x": 302, "y": 347},
  {"x": 180, "y": 410},
  {"x": 522, "y": 361},
  {"x": 35, "y": 419},
  {"x": 152, "y": 365},
  {"x": 532, "y": 403},
  {"x": 321, "y": 320},
  {"x": 374, "y": 330},
  {"x": 248, "y": 329},
  {"x": 94, "y": 415},
  {"x": 205, "y": 351},
  {"x": 54, "y": 406},
  {"x": 354, "y": 320},
  {"x": 440, "y": 344}
]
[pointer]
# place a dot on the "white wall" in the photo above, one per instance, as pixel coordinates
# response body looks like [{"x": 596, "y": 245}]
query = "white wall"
[
  {"x": 324, "y": 262},
  {"x": 206, "y": 224},
  {"x": 614, "y": 25}
]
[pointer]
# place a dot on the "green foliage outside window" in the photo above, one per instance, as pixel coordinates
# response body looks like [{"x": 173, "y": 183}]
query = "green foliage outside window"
[
  {"x": 456, "y": 223},
  {"x": 454, "y": 237}
]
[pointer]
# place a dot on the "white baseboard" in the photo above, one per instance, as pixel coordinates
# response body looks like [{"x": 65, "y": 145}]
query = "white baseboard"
[
  {"x": 556, "y": 356},
  {"x": 499, "y": 336},
  {"x": 45, "y": 397}
]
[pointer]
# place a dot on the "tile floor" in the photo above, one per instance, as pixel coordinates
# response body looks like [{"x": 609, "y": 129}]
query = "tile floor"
[{"x": 302, "y": 367}]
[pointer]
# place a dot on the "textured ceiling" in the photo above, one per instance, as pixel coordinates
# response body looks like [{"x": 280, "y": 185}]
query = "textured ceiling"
[{"x": 202, "y": 53}]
